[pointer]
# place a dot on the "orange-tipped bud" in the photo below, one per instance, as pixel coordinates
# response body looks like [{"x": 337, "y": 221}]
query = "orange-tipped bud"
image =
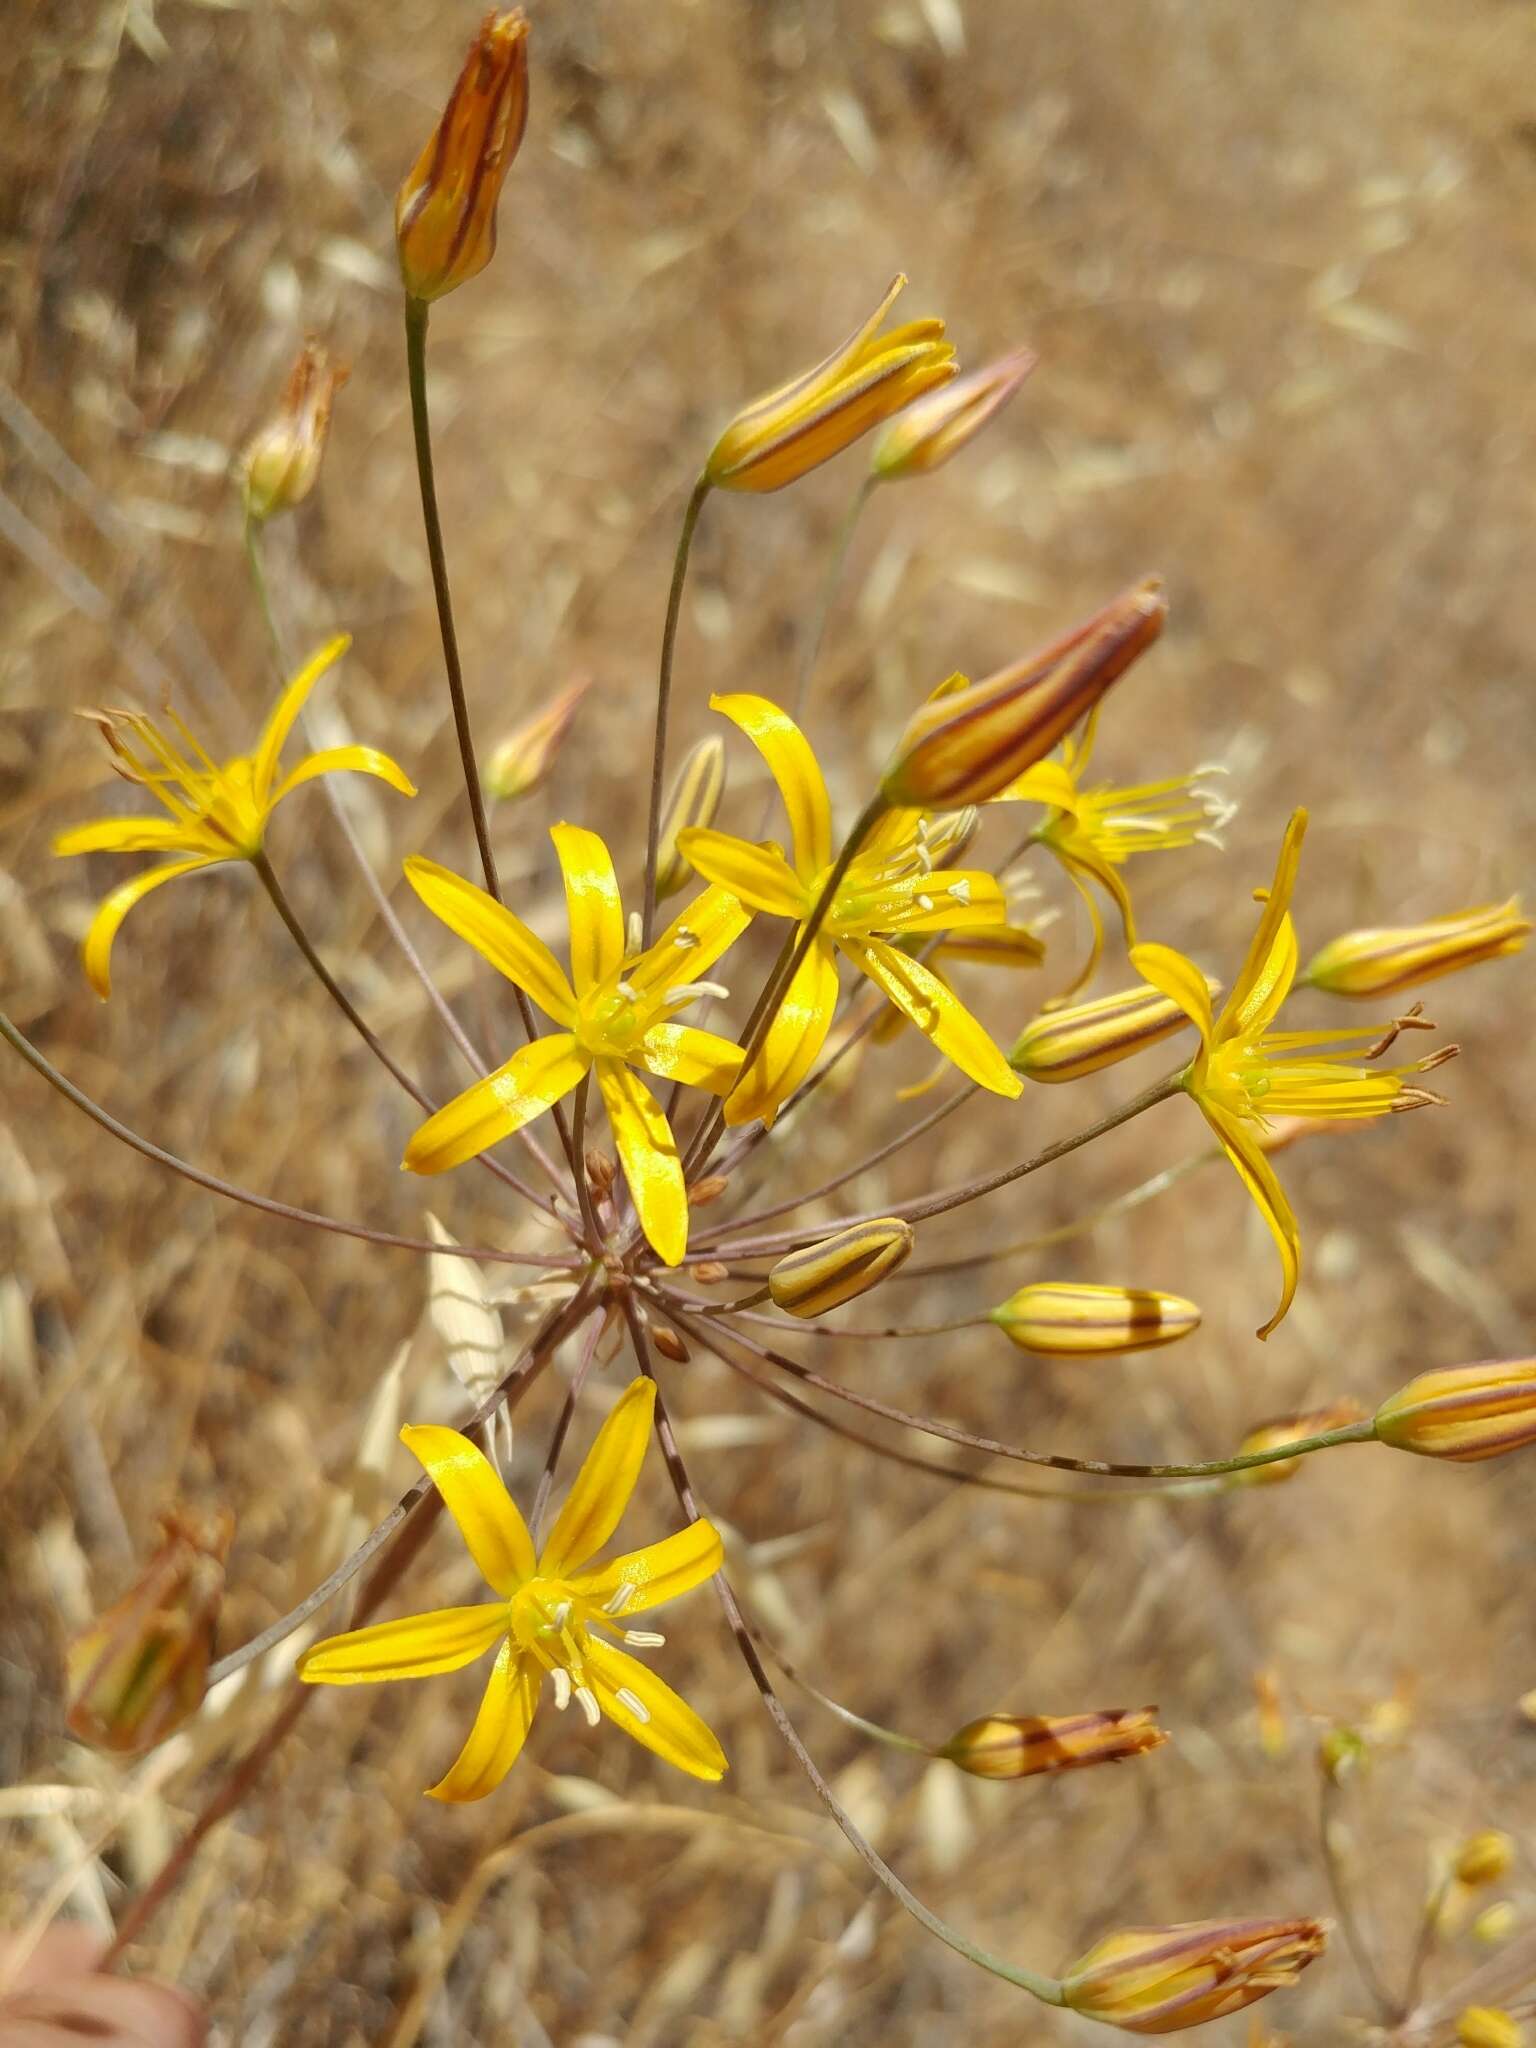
[
  {"x": 1290, "y": 1429},
  {"x": 1484, "y": 1858},
  {"x": 1384, "y": 961},
  {"x": 1078, "y": 1319},
  {"x": 964, "y": 745},
  {"x": 1065, "y": 1044},
  {"x": 524, "y": 758},
  {"x": 691, "y": 803},
  {"x": 1465, "y": 1412},
  {"x": 141, "y": 1669},
  {"x": 796, "y": 427},
  {"x": 1027, "y": 1745},
  {"x": 825, "y": 1275},
  {"x": 1159, "y": 1980},
  {"x": 1488, "y": 2026},
  {"x": 923, "y": 437},
  {"x": 445, "y": 212},
  {"x": 279, "y": 467}
]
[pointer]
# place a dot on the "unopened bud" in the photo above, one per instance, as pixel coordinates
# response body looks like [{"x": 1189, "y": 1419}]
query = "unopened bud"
[
  {"x": 445, "y": 212},
  {"x": 711, "y": 1271},
  {"x": 524, "y": 758},
  {"x": 850, "y": 1262},
  {"x": 1340, "y": 1753},
  {"x": 1274, "y": 1738},
  {"x": 601, "y": 1171},
  {"x": 964, "y": 746},
  {"x": 997, "y": 945},
  {"x": 1484, "y": 1858},
  {"x": 1495, "y": 1923},
  {"x": 1072, "y": 1319},
  {"x": 702, "y": 1192},
  {"x": 1388, "y": 959},
  {"x": 140, "y": 1670},
  {"x": 1159, "y": 1980},
  {"x": 691, "y": 802},
  {"x": 924, "y": 436},
  {"x": 1487, "y": 2026},
  {"x": 670, "y": 1345},
  {"x": 1290, "y": 1429},
  {"x": 279, "y": 467},
  {"x": 1026, "y": 1745},
  {"x": 1063, "y": 1045},
  {"x": 1465, "y": 1412}
]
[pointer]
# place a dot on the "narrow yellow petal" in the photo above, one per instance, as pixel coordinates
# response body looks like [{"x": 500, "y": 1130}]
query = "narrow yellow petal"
[
  {"x": 796, "y": 1035},
  {"x": 692, "y": 943},
  {"x": 1178, "y": 978},
  {"x": 130, "y": 835},
  {"x": 759, "y": 875},
  {"x": 648, "y": 1153},
  {"x": 1256, "y": 982},
  {"x": 600, "y": 1492},
  {"x": 1269, "y": 985},
  {"x": 936, "y": 1011},
  {"x": 415, "y": 1646},
  {"x": 285, "y": 711},
  {"x": 592, "y": 905},
  {"x": 1079, "y": 856},
  {"x": 681, "y": 1052},
  {"x": 487, "y": 1517},
  {"x": 493, "y": 931},
  {"x": 792, "y": 764},
  {"x": 1241, "y": 1146},
  {"x": 956, "y": 899},
  {"x": 500, "y": 1730},
  {"x": 664, "y": 1723},
  {"x": 1048, "y": 782},
  {"x": 96, "y": 950},
  {"x": 492, "y": 1109},
  {"x": 341, "y": 761},
  {"x": 662, "y": 1571}
]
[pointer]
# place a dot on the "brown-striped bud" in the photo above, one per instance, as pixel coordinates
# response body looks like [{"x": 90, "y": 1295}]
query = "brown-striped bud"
[
  {"x": 445, "y": 212},
  {"x": 702, "y": 1192},
  {"x": 279, "y": 467},
  {"x": 1027, "y": 1745},
  {"x": 1489, "y": 2026},
  {"x": 141, "y": 1669},
  {"x": 1290, "y": 1429},
  {"x": 601, "y": 1170},
  {"x": 670, "y": 1345},
  {"x": 524, "y": 758},
  {"x": 1484, "y": 1858},
  {"x": 850, "y": 1262},
  {"x": 1080, "y": 1319},
  {"x": 1465, "y": 1412},
  {"x": 997, "y": 945},
  {"x": 692, "y": 801},
  {"x": 709, "y": 1272},
  {"x": 1159, "y": 1980},
  {"x": 927, "y": 433},
  {"x": 964, "y": 746},
  {"x": 1385, "y": 960},
  {"x": 1065, "y": 1044}
]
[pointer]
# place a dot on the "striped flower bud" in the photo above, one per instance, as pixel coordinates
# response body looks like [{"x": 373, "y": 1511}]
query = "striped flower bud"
[
  {"x": 1078, "y": 1319},
  {"x": 279, "y": 467},
  {"x": 692, "y": 801},
  {"x": 791, "y": 430},
  {"x": 524, "y": 758},
  {"x": 964, "y": 745},
  {"x": 1065, "y": 1044},
  {"x": 850, "y": 1262},
  {"x": 1464, "y": 1412},
  {"x": 1488, "y": 2026},
  {"x": 1290, "y": 1429},
  {"x": 1484, "y": 1857},
  {"x": 922, "y": 438},
  {"x": 1159, "y": 1980},
  {"x": 445, "y": 212},
  {"x": 1027, "y": 1745},
  {"x": 1385, "y": 960},
  {"x": 140, "y": 1670}
]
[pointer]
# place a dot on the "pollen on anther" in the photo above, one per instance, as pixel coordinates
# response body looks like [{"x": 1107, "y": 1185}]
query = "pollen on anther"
[
  {"x": 925, "y": 903},
  {"x": 562, "y": 1679},
  {"x": 632, "y": 1704},
  {"x": 629, "y": 992},
  {"x": 586, "y": 1699},
  {"x": 643, "y": 1638},
  {"x": 619, "y": 1598}
]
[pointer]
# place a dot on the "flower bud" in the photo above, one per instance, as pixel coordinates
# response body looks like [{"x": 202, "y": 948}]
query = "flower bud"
[
  {"x": 1274, "y": 1736},
  {"x": 850, "y": 1262},
  {"x": 1078, "y": 1319},
  {"x": 1484, "y": 1858},
  {"x": 445, "y": 212},
  {"x": 1290, "y": 1429},
  {"x": 141, "y": 1669},
  {"x": 1026, "y": 1745},
  {"x": 964, "y": 745},
  {"x": 670, "y": 1345},
  {"x": 524, "y": 758},
  {"x": 1065, "y": 1044},
  {"x": 794, "y": 428},
  {"x": 692, "y": 801},
  {"x": 928, "y": 432},
  {"x": 279, "y": 467},
  {"x": 1159, "y": 1980},
  {"x": 1486, "y": 2026},
  {"x": 1495, "y": 1923},
  {"x": 1340, "y": 1752},
  {"x": 1464, "y": 1412},
  {"x": 1385, "y": 960}
]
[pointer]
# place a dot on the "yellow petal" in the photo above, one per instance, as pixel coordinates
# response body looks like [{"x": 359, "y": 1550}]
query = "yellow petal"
[
  {"x": 1258, "y": 1176},
  {"x": 592, "y": 905},
  {"x": 284, "y": 712},
  {"x": 415, "y": 1646},
  {"x": 1048, "y": 782},
  {"x": 341, "y": 761},
  {"x": 796, "y": 1035},
  {"x": 648, "y": 1153},
  {"x": 1085, "y": 973},
  {"x": 1080, "y": 856},
  {"x": 96, "y": 951},
  {"x": 601, "y": 1490},
  {"x": 759, "y": 875},
  {"x": 681, "y": 1052},
  {"x": 500, "y": 1730},
  {"x": 665, "y": 1723},
  {"x": 897, "y": 907},
  {"x": 493, "y": 931},
  {"x": 793, "y": 767},
  {"x": 691, "y": 943},
  {"x": 1255, "y": 986},
  {"x": 662, "y": 1571},
  {"x": 129, "y": 835},
  {"x": 1178, "y": 978},
  {"x": 936, "y": 1011},
  {"x": 492, "y": 1109},
  {"x": 487, "y": 1517}
]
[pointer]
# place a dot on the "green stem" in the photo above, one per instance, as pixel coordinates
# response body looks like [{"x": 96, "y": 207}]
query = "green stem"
[
  {"x": 664, "y": 701},
  {"x": 837, "y": 561}
]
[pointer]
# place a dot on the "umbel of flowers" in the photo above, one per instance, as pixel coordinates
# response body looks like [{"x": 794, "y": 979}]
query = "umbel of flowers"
[{"x": 874, "y": 919}]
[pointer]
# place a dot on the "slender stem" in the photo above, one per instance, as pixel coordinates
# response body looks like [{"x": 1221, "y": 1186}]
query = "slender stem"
[
  {"x": 664, "y": 701},
  {"x": 579, "y": 1158},
  {"x": 563, "y": 1422},
  {"x": 1344, "y": 1905},
  {"x": 837, "y": 561},
  {"x": 812, "y": 1329},
  {"x": 1424, "y": 1943},
  {"x": 891, "y": 1737}
]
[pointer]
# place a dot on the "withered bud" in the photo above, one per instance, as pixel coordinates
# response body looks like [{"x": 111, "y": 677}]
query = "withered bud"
[
  {"x": 692, "y": 802},
  {"x": 709, "y": 1189},
  {"x": 524, "y": 758},
  {"x": 1290, "y": 1429},
  {"x": 823, "y": 1276},
  {"x": 1484, "y": 1858},
  {"x": 1465, "y": 1412},
  {"x": 1027, "y": 1745},
  {"x": 709, "y": 1272},
  {"x": 670, "y": 1345},
  {"x": 1159, "y": 1980},
  {"x": 924, "y": 436},
  {"x": 1078, "y": 1319},
  {"x": 280, "y": 464}
]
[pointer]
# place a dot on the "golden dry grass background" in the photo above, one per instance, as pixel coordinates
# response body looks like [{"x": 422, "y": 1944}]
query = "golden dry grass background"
[{"x": 1280, "y": 264}]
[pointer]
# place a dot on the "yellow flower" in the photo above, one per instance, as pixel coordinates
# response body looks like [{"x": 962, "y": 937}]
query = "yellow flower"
[
  {"x": 791, "y": 430},
  {"x": 216, "y": 813},
  {"x": 1245, "y": 1073},
  {"x": 616, "y": 1013},
  {"x": 892, "y": 890},
  {"x": 552, "y": 1614}
]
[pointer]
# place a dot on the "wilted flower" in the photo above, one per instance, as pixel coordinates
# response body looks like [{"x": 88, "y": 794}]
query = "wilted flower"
[
  {"x": 1290, "y": 1429},
  {"x": 279, "y": 468},
  {"x": 1385, "y": 960},
  {"x": 848, "y": 1263},
  {"x": 1159, "y": 1980},
  {"x": 1463, "y": 1412},
  {"x": 1026, "y": 1745},
  {"x": 1063, "y": 1045},
  {"x": 524, "y": 758},
  {"x": 1074, "y": 1319},
  {"x": 924, "y": 436},
  {"x": 691, "y": 802}
]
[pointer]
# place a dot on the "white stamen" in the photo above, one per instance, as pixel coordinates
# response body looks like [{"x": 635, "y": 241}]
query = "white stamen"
[
  {"x": 1131, "y": 824},
  {"x": 586, "y": 1699},
  {"x": 960, "y": 891},
  {"x": 562, "y": 1614},
  {"x": 686, "y": 938},
  {"x": 632, "y": 1704},
  {"x": 691, "y": 991},
  {"x": 635, "y": 933},
  {"x": 1213, "y": 768},
  {"x": 629, "y": 992},
  {"x": 643, "y": 1639},
  {"x": 1211, "y": 839},
  {"x": 619, "y": 1598},
  {"x": 562, "y": 1679},
  {"x": 925, "y": 903}
]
